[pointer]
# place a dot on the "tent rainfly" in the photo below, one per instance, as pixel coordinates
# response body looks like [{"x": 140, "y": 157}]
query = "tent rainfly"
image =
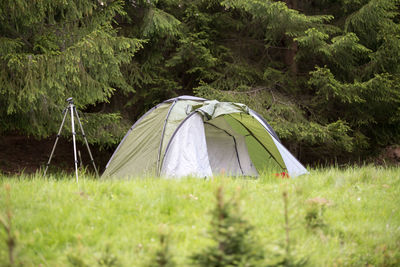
[{"x": 192, "y": 136}]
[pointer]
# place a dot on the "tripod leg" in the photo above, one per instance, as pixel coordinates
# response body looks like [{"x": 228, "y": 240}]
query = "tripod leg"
[
  {"x": 71, "y": 106},
  {"x": 87, "y": 144},
  {"x": 55, "y": 143}
]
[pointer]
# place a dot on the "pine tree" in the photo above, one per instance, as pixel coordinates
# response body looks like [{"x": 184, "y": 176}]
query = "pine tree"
[
  {"x": 52, "y": 50},
  {"x": 162, "y": 256},
  {"x": 327, "y": 75},
  {"x": 324, "y": 73},
  {"x": 234, "y": 244}
]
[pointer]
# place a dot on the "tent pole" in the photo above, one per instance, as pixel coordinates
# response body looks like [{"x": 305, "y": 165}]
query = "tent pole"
[{"x": 162, "y": 138}]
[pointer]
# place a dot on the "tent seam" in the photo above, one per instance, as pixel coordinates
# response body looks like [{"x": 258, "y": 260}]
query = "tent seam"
[
  {"x": 268, "y": 127},
  {"x": 162, "y": 136}
]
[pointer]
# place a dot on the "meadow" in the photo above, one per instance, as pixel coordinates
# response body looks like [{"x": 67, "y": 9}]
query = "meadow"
[{"x": 334, "y": 217}]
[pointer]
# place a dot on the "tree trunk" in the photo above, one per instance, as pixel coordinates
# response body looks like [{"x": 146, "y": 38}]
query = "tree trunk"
[{"x": 292, "y": 46}]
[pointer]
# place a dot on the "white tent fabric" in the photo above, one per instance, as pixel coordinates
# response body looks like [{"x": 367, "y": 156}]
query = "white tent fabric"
[
  {"x": 222, "y": 152},
  {"x": 293, "y": 166},
  {"x": 187, "y": 152},
  {"x": 227, "y": 150}
]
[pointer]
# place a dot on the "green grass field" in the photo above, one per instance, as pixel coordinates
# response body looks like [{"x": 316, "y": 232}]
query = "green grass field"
[{"x": 347, "y": 217}]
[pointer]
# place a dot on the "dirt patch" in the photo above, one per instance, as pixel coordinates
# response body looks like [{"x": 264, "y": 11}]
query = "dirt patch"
[
  {"x": 390, "y": 155},
  {"x": 26, "y": 154}
]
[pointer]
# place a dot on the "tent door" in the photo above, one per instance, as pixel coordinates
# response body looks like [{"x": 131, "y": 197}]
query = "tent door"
[
  {"x": 227, "y": 150},
  {"x": 186, "y": 153}
]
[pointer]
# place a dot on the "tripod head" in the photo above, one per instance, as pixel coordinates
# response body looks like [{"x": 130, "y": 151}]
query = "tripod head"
[{"x": 69, "y": 100}]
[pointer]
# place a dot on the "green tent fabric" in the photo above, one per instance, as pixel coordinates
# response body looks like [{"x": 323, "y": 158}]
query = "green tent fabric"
[
  {"x": 193, "y": 136},
  {"x": 140, "y": 149}
]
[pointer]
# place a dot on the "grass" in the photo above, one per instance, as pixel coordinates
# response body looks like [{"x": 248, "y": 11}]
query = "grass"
[{"x": 347, "y": 217}]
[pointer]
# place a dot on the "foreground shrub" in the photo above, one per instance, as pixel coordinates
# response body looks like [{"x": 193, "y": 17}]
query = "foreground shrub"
[
  {"x": 233, "y": 244},
  {"x": 162, "y": 256}
]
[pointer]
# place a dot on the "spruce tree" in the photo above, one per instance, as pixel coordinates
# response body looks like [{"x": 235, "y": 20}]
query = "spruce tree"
[
  {"x": 162, "y": 257},
  {"x": 233, "y": 242},
  {"x": 51, "y": 50},
  {"x": 325, "y": 74}
]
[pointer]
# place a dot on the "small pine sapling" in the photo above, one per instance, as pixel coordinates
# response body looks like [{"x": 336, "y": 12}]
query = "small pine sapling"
[
  {"x": 162, "y": 256},
  {"x": 234, "y": 244},
  {"x": 108, "y": 259},
  {"x": 315, "y": 208},
  {"x": 286, "y": 257},
  {"x": 78, "y": 255}
]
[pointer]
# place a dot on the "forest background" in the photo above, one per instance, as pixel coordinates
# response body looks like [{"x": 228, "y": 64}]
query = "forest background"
[{"x": 324, "y": 73}]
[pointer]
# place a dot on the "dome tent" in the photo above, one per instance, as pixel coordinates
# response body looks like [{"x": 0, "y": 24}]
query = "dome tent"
[{"x": 194, "y": 136}]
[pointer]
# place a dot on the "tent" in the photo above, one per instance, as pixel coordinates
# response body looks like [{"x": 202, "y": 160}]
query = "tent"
[{"x": 194, "y": 136}]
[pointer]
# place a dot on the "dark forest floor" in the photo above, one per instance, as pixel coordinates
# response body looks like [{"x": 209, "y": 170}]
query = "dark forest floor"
[{"x": 22, "y": 154}]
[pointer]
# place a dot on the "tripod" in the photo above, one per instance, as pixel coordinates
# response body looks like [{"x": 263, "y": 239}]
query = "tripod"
[{"x": 71, "y": 107}]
